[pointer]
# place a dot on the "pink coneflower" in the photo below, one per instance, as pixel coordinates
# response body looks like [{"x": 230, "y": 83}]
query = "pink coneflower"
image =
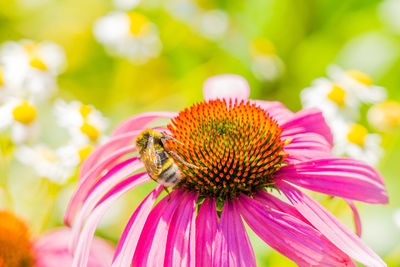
[
  {"x": 245, "y": 149},
  {"x": 18, "y": 249}
]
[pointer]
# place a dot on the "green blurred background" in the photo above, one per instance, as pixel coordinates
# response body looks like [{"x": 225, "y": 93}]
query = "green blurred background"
[{"x": 308, "y": 35}]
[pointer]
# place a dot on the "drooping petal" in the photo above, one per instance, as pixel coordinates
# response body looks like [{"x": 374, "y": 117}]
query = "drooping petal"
[
  {"x": 221, "y": 252},
  {"x": 127, "y": 244},
  {"x": 86, "y": 236},
  {"x": 150, "y": 249},
  {"x": 356, "y": 216},
  {"x": 226, "y": 86},
  {"x": 141, "y": 121},
  {"x": 240, "y": 251},
  {"x": 307, "y": 146},
  {"x": 306, "y": 121},
  {"x": 177, "y": 251},
  {"x": 100, "y": 188},
  {"x": 342, "y": 177},
  {"x": 275, "y": 109},
  {"x": 89, "y": 179},
  {"x": 104, "y": 150},
  {"x": 206, "y": 230},
  {"x": 271, "y": 202},
  {"x": 330, "y": 226},
  {"x": 290, "y": 236}
]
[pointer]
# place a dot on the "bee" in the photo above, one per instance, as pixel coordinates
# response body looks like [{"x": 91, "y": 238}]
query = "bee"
[{"x": 158, "y": 160}]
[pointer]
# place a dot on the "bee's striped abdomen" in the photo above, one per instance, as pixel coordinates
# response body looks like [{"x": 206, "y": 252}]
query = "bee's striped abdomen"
[{"x": 170, "y": 174}]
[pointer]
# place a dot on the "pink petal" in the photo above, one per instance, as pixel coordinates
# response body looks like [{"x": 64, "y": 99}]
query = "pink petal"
[
  {"x": 306, "y": 121},
  {"x": 330, "y": 226},
  {"x": 102, "y": 151},
  {"x": 206, "y": 230},
  {"x": 307, "y": 146},
  {"x": 356, "y": 216},
  {"x": 226, "y": 86},
  {"x": 240, "y": 251},
  {"x": 127, "y": 244},
  {"x": 290, "y": 236},
  {"x": 342, "y": 177},
  {"x": 177, "y": 252},
  {"x": 141, "y": 121},
  {"x": 150, "y": 249},
  {"x": 275, "y": 109},
  {"x": 88, "y": 180},
  {"x": 86, "y": 236},
  {"x": 51, "y": 249},
  {"x": 221, "y": 252},
  {"x": 109, "y": 180},
  {"x": 271, "y": 202}
]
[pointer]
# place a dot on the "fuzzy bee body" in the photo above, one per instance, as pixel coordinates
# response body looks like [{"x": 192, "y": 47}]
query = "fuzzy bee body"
[
  {"x": 157, "y": 159},
  {"x": 170, "y": 174}
]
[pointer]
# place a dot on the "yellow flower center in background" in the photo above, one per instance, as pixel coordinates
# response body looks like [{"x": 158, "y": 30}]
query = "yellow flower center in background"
[
  {"x": 91, "y": 131},
  {"x": 1, "y": 77},
  {"x": 37, "y": 63},
  {"x": 262, "y": 47},
  {"x": 48, "y": 154},
  {"x": 385, "y": 115},
  {"x": 360, "y": 77},
  {"x": 15, "y": 247},
  {"x": 337, "y": 95},
  {"x": 85, "y": 110},
  {"x": 34, "y": 59},
  {"x": 85, "y": 151},
  {"x": 357, "y": 134},
  {"x": 24, "y": 113},
  {"x": 139, "y": 24}
]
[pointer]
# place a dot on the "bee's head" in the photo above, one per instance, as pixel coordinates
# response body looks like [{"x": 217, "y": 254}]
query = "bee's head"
[{"x": 141, "y": 140}]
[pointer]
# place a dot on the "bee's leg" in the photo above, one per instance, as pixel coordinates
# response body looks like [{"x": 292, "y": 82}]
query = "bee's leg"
[
  {"x": 166, "y": 190},
  {"x": 167, "y": 137},
  {"x": 178, "y": 158}
]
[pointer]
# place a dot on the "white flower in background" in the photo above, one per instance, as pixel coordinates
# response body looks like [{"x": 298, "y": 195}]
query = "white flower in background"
[
  {"x": 385, "y": 116},
  {"x": 388, "y": 12},
  {"x": 183, "y": 10},
  {"x": 396, "y": 217},
  {"x": 129, "y": 35},
  {"x": 332, "y": 99},
  {"x": 19, "y": 115},
  {"x": 126, "y": 4},
  {"x": 212, "y": 24},
  {"x": 31, "y": 67},
  {"x": 85, "y": 124},
  {"x": 354, "y": 140},
  {"x": 3, "y": 86},
  {"x": 359, "y": 83},
  {"x": 56, "y": 165},
  {"x": 266, "y": 65}
]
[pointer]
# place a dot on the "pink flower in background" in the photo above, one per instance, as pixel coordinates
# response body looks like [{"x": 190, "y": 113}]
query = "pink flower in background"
[
  {"x": 245, "y": 149},
  {"x": 52, "y": 249},
  {"x": 17, "y": 249}
]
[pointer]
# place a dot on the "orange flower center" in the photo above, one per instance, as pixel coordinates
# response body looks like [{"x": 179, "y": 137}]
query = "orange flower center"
[
  {"x": 237, "y": 147},
  {"x": 15, "y": 248}
]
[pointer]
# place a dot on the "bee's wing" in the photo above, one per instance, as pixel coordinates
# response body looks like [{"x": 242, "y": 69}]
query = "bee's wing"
[{"x": 151, "y": 160}]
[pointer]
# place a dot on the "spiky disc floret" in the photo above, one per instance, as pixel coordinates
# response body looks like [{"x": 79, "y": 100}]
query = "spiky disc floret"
[
  {"x": 237, "y": 147},
  {"x": 15, "y": 247}
]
